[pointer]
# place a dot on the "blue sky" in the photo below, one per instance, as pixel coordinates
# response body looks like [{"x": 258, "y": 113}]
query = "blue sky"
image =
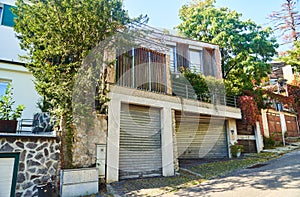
[{"x": 164, "y": 13}]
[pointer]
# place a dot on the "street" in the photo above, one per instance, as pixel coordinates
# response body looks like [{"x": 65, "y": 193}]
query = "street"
[{"x": 280, "y": 177}]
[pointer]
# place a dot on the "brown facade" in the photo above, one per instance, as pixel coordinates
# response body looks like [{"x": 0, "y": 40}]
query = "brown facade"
[
  {"x": 291, "y": 126},
  {"x": 142, "y": 69},
  {"x": 275, "y": 129}
]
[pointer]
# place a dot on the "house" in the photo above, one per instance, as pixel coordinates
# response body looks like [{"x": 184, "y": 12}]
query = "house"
[
  {"x": 152, "y": 124},
  {"x": 154, "y": 116},
  {"x": 12, "y": 70},
  {"x": 280, "y": 120}
]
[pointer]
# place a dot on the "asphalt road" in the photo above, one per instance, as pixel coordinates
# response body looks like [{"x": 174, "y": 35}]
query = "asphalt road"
[{"x": 279, "y": 178}]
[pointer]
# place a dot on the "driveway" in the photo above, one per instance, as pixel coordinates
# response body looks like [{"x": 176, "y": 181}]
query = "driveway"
[{"x": 280, "y": 177}]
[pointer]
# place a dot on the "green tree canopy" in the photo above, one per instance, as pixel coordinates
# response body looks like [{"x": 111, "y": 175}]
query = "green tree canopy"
[
  {"x": 292, "y": 57},
  {"x": 245, "y": 46},
  {"x": 58, "y": 35}
]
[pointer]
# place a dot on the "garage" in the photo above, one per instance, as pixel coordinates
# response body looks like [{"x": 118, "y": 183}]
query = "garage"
[
  {"x": 291, "y": 126},
  {"x": 200, "y": 136},
  {"x": 140, "y": 142},
  {"x": 8, "y": 169}
]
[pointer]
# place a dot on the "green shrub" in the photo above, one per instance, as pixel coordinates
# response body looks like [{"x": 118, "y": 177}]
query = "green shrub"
[{"x": 269, "y": 142}]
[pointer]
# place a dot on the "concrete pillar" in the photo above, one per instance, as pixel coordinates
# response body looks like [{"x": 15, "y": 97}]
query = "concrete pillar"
[
  {"x": 232, "y": 138},
  {"x": 283, "y": 126},
  {"x": 113, "y": 138},
  {"x": 167, "y": 142},
  {"x": 265, "y": 123},
  {"x": 258, "y": 138},
  {"x": 232, "y": 126}
]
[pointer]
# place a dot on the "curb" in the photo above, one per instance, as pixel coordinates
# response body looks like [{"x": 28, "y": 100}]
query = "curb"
[
  {"x": 191, "y": 172},
  {"x": 111, "y": 190}
]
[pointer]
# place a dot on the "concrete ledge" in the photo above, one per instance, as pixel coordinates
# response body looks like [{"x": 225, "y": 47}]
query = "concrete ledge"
[{"x": 29, "y": 135}]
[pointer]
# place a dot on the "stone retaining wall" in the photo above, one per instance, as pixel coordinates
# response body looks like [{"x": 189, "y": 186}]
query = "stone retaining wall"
[
  {"x": 85, "y": 140},
  {"x": 39, "y": 161}
]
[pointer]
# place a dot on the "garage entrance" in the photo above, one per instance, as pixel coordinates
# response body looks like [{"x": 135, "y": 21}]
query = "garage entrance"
[
  {"x": 140, "y": 142},
  {"x": 200, "y": 136}
]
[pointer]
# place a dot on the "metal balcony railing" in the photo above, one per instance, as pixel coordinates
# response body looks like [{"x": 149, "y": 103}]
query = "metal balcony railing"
[{"x": 186, "y": 91}]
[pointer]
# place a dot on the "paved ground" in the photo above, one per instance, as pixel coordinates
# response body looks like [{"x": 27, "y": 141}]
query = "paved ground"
[{"x": 280, "y": 177}]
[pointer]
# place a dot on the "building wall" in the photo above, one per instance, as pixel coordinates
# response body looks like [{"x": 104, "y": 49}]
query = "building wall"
[
  {"x": 85, "y": 140},
  {"x": 11, "y": 69},
  {"x": 166, "y": 103},
  {"x": 24, "y": 92},
  {"x": 39, "y": 161},
  {"x": 9, "y": 47}
]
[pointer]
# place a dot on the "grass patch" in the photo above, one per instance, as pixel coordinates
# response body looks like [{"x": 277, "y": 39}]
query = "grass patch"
[
  {"x": 222, "y": 168},
  {"x": 163, "y": 184}
]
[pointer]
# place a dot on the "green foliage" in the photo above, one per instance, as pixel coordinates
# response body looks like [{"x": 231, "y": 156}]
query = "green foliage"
[
  {"x": 203, "y": 86},
  {"x": 217, "y": 169},
  {"x": 197, "y": 81},
  {"x": 6, "y": 106},
  {"x": 269, "y": 142},
  {"x": 292, "y": 57},
  {"x": 234, "y": 149},
  {"x": 58, "y": 35},
  {"x": 245, "y": 47}
]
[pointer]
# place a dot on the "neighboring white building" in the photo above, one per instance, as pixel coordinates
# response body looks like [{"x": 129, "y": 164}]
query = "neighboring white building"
[{"x": 12, "y": 70}]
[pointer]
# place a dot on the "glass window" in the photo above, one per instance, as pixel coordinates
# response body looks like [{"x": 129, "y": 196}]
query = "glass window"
[
  {"x": 195, "y": 60},
  {"x": 3, "y": 86},
  {"x": 1, "y": 10},
  {"x": 7, "y": 16},
  {"x": 173, "y": 64}
]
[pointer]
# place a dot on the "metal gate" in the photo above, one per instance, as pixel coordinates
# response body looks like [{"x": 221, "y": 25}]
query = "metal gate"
[
  {"x": 200, "y": 136},
  {"x": 140, "y": 142}
]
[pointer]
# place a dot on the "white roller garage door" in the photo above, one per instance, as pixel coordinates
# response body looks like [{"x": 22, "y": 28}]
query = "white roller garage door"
[
  {"x": 140, "y": 142},
  {"x": 8, "y": 172},
  {"x": 200, "y": 136}
]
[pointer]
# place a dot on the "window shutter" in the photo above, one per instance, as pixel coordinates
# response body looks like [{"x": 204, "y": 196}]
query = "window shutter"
[{"x": 8, "y": 16}]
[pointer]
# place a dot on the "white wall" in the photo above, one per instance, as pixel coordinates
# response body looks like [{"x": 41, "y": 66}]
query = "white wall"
[
  {"x": 22, "y": 81},
  {"x": 288, "y": 73},
  {"x": 9, "y": 47},
  {"x": 23, "y": 87}
]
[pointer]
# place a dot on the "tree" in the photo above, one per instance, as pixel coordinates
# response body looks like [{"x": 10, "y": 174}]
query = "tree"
[
  {"x": 245, "y": 47},
  {"x": 292, "y": 57},
  {"x": 287, "y": 21},
  {"x": 58, "y": 35}
]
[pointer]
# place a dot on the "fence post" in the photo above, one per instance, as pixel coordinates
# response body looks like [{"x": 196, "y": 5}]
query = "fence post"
[
  {"x": 186, "y": 92},
  {"x": 234, "y": 98}
]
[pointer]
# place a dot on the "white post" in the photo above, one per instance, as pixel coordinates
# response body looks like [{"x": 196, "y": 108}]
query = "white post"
[
  {"x": 167, "y": 142},
  {"x": 283, "y": 126}
]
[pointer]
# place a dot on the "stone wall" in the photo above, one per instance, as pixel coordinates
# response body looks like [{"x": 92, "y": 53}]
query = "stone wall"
[
  {"x": 85, "y": 140},
  {"x": 39, "y": 161}
]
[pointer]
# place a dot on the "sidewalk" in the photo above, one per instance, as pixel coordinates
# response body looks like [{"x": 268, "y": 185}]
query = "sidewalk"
[
  {"x": 163, "y": 185},
  {"x": 283, "y": 149}
]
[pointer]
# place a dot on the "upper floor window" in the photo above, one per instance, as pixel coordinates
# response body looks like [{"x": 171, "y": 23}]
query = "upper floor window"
[
  {"x": 6, "y": 15},
  {"x": 3, "y": 86},
  {"x": 189, "y": 58},
  {"x": 1, "y": 11},
  {"x": 195, "y": 59},
  {"x": 172, "y": 53}
]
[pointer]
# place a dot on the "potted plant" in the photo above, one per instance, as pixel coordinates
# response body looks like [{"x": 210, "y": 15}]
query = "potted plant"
[
  {"x": 236, "y": 150},
  {"x": 8, "y": 115}
]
